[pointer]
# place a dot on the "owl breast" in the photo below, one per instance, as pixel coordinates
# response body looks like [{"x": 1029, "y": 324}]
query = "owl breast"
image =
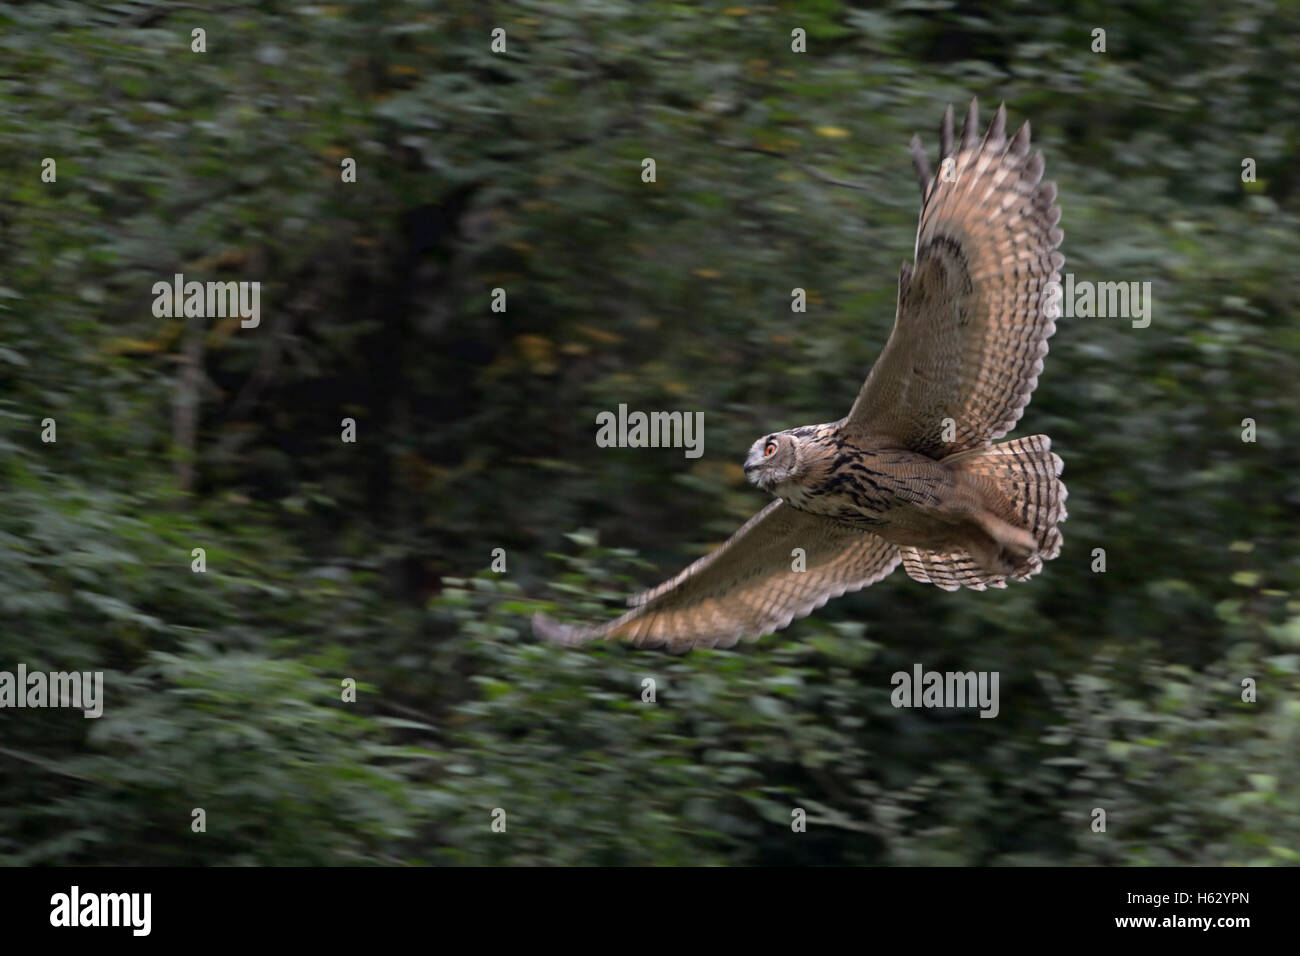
[
  {"x": 856, "y": 509},
  {"x": 865, "y": 487}
]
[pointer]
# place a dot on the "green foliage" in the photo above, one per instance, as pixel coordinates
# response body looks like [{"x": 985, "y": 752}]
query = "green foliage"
[
  {"x": 1189, "y": 773},
  {"x": 284, "y": 775},
  {"x": 328, "y": 561}
]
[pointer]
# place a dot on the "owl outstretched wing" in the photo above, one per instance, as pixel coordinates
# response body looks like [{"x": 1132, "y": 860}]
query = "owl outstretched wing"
[
  {"x": 971, "y": 329},
  {"x": 747, "y": 587}
]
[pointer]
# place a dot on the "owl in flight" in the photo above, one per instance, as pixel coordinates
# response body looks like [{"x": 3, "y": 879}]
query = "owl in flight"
[{"x": 911, "y": 474}]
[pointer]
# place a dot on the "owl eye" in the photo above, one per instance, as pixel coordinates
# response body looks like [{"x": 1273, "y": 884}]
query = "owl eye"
[{"x": 770, "y": 450}]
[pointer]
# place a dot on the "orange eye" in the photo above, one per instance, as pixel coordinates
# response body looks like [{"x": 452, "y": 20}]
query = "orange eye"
[{"x": 770, "y": 450}]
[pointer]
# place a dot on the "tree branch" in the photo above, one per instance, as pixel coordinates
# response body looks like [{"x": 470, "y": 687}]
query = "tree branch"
[{"x": 45, "y": 765}]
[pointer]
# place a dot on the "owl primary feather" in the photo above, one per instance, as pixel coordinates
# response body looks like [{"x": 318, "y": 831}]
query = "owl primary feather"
[{"x": 911, "y": 474}]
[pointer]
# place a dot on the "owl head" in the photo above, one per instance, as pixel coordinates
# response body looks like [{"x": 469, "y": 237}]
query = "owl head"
[{"x": 775, "y": 459}]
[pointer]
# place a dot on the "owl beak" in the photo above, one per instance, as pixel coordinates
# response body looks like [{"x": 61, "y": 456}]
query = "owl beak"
[{"x": 752, "y": 469}]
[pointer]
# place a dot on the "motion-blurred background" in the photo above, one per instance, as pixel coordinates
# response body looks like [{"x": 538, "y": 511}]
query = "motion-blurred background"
[{"x": 522, "y": 170}]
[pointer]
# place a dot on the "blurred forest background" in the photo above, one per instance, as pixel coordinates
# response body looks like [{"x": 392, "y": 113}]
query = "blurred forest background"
[{"x": 476, "y": 430}]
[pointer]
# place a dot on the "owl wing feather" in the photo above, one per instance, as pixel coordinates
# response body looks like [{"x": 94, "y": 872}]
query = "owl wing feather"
[
  {"x": 971, "y": 328},
  {"x": 747, "y": 587}
]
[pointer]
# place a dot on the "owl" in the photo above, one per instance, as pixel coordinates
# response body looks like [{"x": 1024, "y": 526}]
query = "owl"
[{"x": 912, "y": 474}]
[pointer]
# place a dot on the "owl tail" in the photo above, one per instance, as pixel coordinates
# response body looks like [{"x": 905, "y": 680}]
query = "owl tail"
[
  {"x": 1026, "y": 501},
  {"x": 1025, "y": 473}
]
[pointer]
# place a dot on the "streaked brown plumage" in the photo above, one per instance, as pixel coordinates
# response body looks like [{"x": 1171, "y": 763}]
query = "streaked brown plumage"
[{"x": 910, "y": 474}]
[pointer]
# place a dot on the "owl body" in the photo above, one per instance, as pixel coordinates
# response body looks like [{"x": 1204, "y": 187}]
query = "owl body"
[
  {"x": 816, "y": 469},
  {"x": 901, "y": 496},
  {"x": 916, "y": 473}
]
